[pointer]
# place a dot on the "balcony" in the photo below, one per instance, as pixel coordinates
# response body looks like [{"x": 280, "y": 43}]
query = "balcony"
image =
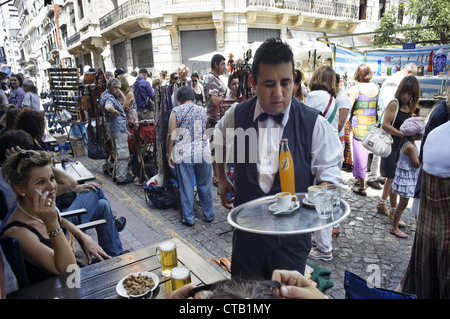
[
  {"x": 73, "y": 39},
  {"x": 314, "y": 7},
  {"x": 129, "y": 11}
]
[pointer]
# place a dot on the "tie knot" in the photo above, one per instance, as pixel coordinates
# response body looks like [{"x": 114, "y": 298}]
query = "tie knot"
[{"x": 264, "y": 116}]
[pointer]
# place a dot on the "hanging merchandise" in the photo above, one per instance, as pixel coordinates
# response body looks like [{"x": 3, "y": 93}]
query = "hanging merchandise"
[
  {"x": 439, "y": 62},
  {"x": 430, "y": 64}
]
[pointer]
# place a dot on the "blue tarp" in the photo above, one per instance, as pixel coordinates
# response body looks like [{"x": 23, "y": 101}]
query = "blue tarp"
[{"x": 347, "y": 60}]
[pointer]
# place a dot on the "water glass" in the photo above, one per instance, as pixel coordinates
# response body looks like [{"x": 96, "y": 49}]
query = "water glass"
[
  {"x": 324, "y": 203},
  {"x": 336, "y": 190}
]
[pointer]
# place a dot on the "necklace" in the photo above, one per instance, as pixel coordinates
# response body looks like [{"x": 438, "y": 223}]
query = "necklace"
[{"x": 29, "y": 215}]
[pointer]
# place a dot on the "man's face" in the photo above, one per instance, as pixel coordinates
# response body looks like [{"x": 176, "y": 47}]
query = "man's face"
[
  {"x": 115, "y": 89},
  {"x": 221, "y": 67},
  {"x": 143, "y": 75},
  {"x": 274, "y": 87}
]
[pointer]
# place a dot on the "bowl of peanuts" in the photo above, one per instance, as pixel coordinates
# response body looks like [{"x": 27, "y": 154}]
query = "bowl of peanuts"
[{"x": 137, "y": 284}]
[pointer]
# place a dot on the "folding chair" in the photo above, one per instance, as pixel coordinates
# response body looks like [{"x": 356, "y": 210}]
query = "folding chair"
[{"x": 357, "y": 288}]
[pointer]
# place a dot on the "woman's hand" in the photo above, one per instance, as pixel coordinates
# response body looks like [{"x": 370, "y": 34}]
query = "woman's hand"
[
  {"x": 84, "y": 188},
  {"x": 296, "y": 286},
  {"x": 45, "y": 209},
  {"x": 91, "y": 248}
]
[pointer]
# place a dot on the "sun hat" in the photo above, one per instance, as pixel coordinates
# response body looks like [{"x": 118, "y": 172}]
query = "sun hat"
[{"x": 412, "y": 126}]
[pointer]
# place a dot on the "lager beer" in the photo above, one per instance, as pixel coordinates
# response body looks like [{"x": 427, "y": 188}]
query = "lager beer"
[
  {"x": 180, "y": 276},
  {"x": 167, "y": 256}
]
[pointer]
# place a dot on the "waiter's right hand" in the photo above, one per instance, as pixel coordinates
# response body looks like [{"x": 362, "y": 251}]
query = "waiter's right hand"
[{"x": 225, "y": 188}]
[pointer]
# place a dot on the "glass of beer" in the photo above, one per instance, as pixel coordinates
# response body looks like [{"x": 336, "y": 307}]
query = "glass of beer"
[
  {"x": 167, "y": 256},
  {"x": 180, "y": 276}
]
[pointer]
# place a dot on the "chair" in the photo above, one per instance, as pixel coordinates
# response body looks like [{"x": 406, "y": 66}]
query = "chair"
[
  {"x": 13, "y": 253},
  {"x": 3, "y": 206},
  {"x": 357, "y": 288}
]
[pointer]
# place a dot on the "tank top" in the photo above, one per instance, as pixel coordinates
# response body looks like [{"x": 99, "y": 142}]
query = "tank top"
[
  {"x": 34, "y": 273},
  {"x": 364, "y": 115}
]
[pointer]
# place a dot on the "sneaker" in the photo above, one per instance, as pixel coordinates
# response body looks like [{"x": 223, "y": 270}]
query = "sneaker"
[{"x": 316, "y": 254}]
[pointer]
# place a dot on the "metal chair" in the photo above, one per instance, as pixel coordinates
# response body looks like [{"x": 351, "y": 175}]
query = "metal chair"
[{"x": 357, "y": 288}]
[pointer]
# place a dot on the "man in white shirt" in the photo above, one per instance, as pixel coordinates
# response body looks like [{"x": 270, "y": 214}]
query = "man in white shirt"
[{"x": 316, "y": 152}]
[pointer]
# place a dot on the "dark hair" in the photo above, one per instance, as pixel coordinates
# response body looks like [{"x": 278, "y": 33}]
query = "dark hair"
[
  {"x": 234, "y": 75},
  {"x": 410, "y": 85},
  {"x": 242, "y": 289},
  {"x": 216, "y": 59},
  {"x": 324, "y": 78},
  {"x": 273, "y": 51},
  {"x": 298, "y": 80},
  {"x": 11, "y": 115},
  {"x": 194, "y": 75},
  {"x": 18, "y": 77},
  {"x": 13, "y": 138},
  {"x": 185, "y": 93},
  {"x": 32, "y": 122}
]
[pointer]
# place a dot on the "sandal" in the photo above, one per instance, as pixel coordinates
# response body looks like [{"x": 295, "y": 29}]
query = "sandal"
[
  {"x": 359, "y": 191},
  {"x": 401, "y": 235}
]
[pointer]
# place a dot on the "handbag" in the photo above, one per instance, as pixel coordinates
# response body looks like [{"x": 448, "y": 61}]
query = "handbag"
[
  {"x": 77, "y": 249},
  {"x": 377, "y": 140}
]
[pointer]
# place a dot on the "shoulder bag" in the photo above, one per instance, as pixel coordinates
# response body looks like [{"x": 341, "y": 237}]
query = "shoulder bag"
[{"x": 378, "y": 141}]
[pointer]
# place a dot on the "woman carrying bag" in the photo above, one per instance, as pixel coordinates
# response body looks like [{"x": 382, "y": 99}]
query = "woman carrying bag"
[
  {"x": 363, "y": 97},
  {"x": 407, "y": 99}
]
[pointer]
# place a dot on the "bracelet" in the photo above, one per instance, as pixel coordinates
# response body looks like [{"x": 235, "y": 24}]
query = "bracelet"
[{"x": 54, "y": 232}]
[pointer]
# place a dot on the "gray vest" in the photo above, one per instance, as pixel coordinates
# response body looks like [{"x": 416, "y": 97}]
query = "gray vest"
[{"x": 298, "y": 131}]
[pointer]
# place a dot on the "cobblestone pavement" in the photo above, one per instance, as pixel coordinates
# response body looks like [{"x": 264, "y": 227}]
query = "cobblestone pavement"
[{"x": 363, "y": 246}]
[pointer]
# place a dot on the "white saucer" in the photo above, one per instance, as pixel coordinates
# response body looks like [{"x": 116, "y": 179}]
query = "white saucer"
[
  {"x": 277, "y": 211},
  {"x": 307, "y": 202}
]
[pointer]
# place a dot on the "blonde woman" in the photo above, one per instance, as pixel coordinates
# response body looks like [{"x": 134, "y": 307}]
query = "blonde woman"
[{"x": 128, "y": 102}]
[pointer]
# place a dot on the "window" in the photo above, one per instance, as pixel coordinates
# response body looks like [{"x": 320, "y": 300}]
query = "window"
[
  {"x": 260, "y": 35},
  {"x": 142, "y": 49}
]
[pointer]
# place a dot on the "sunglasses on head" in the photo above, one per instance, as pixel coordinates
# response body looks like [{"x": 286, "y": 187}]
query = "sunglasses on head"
[{"x": 21, "y": 156}]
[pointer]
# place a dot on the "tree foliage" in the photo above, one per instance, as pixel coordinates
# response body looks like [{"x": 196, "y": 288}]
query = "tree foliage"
[{"x": 417, "y": 13}]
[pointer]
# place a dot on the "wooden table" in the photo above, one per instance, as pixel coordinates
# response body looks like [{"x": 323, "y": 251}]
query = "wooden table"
[
  {"x": 77, "y": 170},
  {"x": 98, "y": 281}
]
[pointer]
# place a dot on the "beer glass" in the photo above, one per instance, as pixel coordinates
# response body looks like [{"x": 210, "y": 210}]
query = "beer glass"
[
  {"x": 167, "y": 256},
  {"x": 180, "y": 276}
]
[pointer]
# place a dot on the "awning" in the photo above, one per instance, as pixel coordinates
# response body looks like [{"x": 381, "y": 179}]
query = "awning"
[
  {"x": 64, "y": 54},
  {"x": 207, "y": 57},
  {"x": 46, "y": 65}
]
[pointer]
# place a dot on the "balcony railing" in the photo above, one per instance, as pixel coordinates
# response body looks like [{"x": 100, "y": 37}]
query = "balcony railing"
[
  {"x": 311, "y": 6},
  {"x": 127, "y": 10},
  {"x": 73, "y": 39}
]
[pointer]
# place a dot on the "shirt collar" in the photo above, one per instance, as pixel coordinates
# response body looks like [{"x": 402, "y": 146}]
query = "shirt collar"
[{"x": 259, "y": 110}]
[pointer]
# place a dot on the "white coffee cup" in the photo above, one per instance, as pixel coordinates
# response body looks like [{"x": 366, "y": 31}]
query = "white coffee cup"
[
  {"x": 284, "y": 200},
  {"x": 311, "y": 191}
]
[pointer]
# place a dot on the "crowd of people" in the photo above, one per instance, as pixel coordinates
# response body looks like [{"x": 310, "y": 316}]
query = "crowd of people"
[{"x": 324, "y": 124}]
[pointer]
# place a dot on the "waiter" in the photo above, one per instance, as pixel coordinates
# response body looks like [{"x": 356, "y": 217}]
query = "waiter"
[{"x": 317, "y": 154}]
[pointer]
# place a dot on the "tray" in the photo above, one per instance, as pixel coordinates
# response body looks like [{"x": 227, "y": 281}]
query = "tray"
[{"x": 256, "y": 217}]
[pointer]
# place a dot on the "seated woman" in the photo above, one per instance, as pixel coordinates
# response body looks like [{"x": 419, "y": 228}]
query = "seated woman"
[
  {"x": 88, "y": 196},
  {"x": 36, "y": 222},
  {"x": 33, "y": 122}
]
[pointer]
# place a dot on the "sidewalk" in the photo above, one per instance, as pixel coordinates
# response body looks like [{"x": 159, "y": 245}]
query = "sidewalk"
[{"x": 363, "y": 246}]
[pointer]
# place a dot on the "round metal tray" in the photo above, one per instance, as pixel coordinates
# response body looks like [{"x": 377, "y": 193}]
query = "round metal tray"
[{"x": 256, "y": 217}]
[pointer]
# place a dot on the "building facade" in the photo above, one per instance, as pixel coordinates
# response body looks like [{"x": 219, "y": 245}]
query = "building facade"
[{"x": 163, "y": 34}]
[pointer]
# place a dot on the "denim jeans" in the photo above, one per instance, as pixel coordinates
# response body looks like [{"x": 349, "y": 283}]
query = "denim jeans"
[
  {"x": 199, "y": 167},
  {"x": 97, "y": 207}
]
